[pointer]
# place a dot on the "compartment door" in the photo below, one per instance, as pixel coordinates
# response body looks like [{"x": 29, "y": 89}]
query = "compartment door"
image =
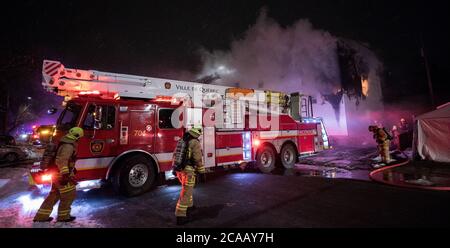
[{"x": 209, "y": 146}]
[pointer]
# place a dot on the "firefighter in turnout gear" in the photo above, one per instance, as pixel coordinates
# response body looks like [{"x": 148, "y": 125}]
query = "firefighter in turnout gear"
[
  {"x": 382, "y": 138},
  {"x": 187, "y": 175},
  {"x": 63, "y": 187}
]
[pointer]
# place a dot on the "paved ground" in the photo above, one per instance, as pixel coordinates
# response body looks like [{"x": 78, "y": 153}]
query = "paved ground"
[
  {"x": 240, "y": 199},
  {"x": 343, "y": 162}
]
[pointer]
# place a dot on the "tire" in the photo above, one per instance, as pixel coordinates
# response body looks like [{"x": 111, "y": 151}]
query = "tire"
[
  {"x": 288, "y": 156},
  {"x": 266, "y": 159},
  {"x": 11, "y": 157},
  {"x": 135, "y": 176}
]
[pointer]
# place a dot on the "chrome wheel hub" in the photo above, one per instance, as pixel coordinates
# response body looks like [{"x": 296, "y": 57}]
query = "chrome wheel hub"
[
  {"x": 138, "y": 175},
  {"x": 266, "y": 159},
  {"x": 288, "y": 157}
]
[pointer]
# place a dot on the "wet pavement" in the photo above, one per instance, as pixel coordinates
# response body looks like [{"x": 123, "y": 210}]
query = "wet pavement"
[
  {"x": 341, "y": 162},
  {"x": 424, "y": 174},
  {"x": 320, "y": 194}
]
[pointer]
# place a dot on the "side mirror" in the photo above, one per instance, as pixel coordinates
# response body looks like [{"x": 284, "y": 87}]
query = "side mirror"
[{"x": 52, "y": 111}]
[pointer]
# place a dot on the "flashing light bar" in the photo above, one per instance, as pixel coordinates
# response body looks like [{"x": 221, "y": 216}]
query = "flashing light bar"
[{"x": 247, "y": 148}]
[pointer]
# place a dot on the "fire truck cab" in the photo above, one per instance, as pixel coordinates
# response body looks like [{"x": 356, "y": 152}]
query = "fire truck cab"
[{"x": 131, "y": 130}]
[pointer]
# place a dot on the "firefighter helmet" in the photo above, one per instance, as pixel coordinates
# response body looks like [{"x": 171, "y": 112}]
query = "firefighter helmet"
[
  {"x": 195, "y": 132},
  {"x": 75, "y": 133}
]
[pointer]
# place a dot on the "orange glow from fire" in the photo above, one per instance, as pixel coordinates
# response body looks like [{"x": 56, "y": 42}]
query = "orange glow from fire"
[{"x": 365, "y": 87}]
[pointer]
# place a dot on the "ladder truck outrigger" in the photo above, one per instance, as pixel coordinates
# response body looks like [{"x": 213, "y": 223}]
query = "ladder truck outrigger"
[{"x": 132, "y": 124}]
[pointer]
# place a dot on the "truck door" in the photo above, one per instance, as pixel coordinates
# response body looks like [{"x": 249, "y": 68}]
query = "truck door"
[
  {"x": 137, "y": 128},
  {"x": 166, "y": 138},
  {"x": 97, "y": 148},
  {"x": 209, "y": 147}
]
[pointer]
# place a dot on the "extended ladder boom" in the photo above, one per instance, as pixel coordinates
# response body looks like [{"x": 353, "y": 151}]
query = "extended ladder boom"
[{"x": 73, "y": 82}]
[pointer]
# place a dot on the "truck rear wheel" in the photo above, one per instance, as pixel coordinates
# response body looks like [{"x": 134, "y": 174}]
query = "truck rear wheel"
[
  {"x": 135, "y": 176},
  {"x": 266, "y": 159},
  {"x": 288, "y": 156}
]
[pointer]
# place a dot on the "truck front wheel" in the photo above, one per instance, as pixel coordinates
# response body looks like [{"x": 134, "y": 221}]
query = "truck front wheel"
[
  {"x": 135, "y": 176},
  {"x": 266, "y": 159}
]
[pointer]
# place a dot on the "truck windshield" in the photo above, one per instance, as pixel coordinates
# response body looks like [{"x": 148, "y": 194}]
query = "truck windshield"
[{"x": 69, "y": 116}]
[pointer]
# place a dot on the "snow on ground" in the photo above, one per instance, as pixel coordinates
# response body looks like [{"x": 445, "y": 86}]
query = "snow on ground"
[
  {"x": 33, "y": 152},
  {"x": 18, "y": 205},
  {"x": 19, "y": 209}
]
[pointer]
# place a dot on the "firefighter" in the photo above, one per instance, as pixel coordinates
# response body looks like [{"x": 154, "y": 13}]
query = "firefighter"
[
  {"x": 404, "y": 126},
  {"x": 63, "y": 188},
  {"x": 187, "y": 176},
  {"x": 396, "y": 138},
  {"x": 382, "y": 138}
]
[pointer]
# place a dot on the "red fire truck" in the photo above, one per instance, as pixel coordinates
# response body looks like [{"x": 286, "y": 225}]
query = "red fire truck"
[{"x": 131, "y": 131}]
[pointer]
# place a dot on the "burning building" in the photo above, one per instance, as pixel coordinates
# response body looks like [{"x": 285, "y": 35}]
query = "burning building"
[{"x": 342, "y": 76}]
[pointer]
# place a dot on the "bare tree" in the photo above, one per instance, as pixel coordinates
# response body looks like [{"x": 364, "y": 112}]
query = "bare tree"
[
  {"x": 24, "y": 114},
  {"x": 13, "y": 66}
]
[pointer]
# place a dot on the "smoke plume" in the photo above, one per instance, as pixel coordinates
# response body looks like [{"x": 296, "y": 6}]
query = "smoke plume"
[{"x": 272, "y": 57}]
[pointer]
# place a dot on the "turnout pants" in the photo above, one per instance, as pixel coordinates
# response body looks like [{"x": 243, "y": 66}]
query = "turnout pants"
[
  {"x": 384, "y": 152},
  {"x": 185, "y": 201},
  {"x": 65, "y": 194}
]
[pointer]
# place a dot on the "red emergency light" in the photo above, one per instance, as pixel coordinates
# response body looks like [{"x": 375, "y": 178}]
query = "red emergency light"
[
  {"x": 173, "y": 100},
  {"x": 46, "y": 178},
  {"x": 163, "y": 99}
]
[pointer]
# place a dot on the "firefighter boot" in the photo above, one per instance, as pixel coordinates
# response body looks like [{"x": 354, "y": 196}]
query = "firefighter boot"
[
  {"x": 70, "y": 219},
  {"x": 47, "y": 220}
]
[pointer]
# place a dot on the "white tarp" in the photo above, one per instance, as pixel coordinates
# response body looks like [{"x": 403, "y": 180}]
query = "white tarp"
[{"x": 433, "y": 135}]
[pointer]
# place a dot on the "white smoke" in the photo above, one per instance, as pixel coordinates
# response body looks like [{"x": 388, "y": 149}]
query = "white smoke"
[
  {"x": 302, "y": 58},
  {"x": 296, "y": 58}
]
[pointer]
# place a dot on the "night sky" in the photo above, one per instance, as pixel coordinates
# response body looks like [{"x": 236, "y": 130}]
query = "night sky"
[{"x": 157, "y": 38}]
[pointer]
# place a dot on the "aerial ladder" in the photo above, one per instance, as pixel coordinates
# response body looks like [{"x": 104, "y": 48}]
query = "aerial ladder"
[
  {"x": 71, "y": 83},
  {"x": 74, "y": 82}
]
